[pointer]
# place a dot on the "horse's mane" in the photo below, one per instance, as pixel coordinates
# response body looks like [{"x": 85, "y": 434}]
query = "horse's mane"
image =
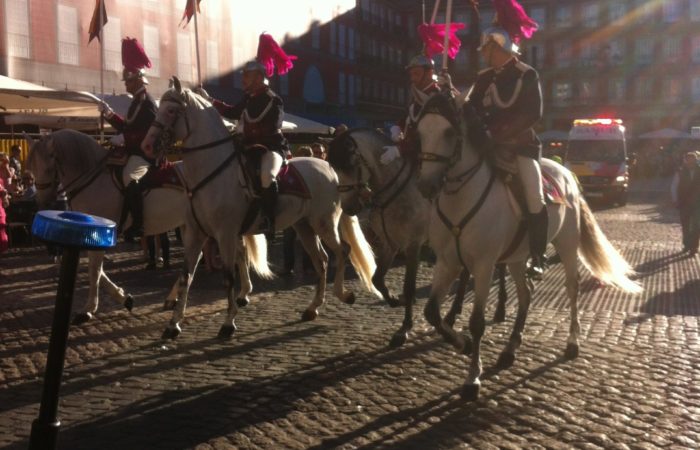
[
  {"x": 343, "y": 147},
  {"x": 189, "y": 97},
  {"x": 443, "y": 105},
  {"x": 78, "y": 148}
]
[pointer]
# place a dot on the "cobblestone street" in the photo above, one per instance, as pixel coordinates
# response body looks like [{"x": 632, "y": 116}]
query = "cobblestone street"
[{"x": 335, "y": 383}]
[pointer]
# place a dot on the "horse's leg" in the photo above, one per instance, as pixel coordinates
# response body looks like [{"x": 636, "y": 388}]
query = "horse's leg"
[
  {"x": 194, "y": 241},
  {"x": 409, "y": 295},
  {"x": 244, "y": 274},
  {"x": 477, "y": 324},
  {"x": 95, "y": 259},
  {"x": 320, "y": 261},
  {"x": 456, "y": 308},
  {"x": 171, "y": 299},
  {"x": 384, "y": 260},
  {"x": 330, "y": 237},
  {"x": 443, "y": 276},
  {"x": 115, "y": 291},
  {"x": 567, "y": 252},
  {"x": 229, "y": 326},
  {"x": 500, "y": 314},
  {"x": 517, "y": 272}
]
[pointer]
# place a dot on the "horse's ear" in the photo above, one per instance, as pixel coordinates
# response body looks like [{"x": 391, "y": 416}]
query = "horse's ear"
[
  {"x": 28, "y": 138},
  {"x": 177, "y": 85}
]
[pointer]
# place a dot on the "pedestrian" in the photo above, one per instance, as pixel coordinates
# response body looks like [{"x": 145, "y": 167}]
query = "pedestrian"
[
  {"x": 8, "y": 177},
  {"x": 340, "y": 129},
  {"x": 28, "y": 187},
  {"x": 319, "y": 151},
  {"x": 303, "y": 151},
  {"x": 4, "y": 203},
  {"x": 15, "y": 156},
  {"x": 685, "y": 192}
]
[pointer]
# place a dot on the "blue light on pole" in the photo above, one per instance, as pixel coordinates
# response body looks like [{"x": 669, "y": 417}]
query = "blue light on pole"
[{"x": 73, "y": 231}]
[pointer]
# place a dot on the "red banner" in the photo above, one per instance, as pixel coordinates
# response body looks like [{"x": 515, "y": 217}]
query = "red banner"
[
  {"x": 189, "y": 11},
  {"x": 96, "y": 24}
]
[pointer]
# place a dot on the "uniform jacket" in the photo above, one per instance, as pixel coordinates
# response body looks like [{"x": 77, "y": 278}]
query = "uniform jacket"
[
  {"x": 688, "y": 192},
  {"x": 509, "y": 102},
  {"x": 410, "y": 146},
  {"x": 141, "y": 114},
  {"x": 262, "y": 115}
]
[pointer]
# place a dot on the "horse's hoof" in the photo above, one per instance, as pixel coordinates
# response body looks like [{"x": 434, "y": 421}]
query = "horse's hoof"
[
  {"x": 242, "y": 302},
  {"x": 169, "y": 305},
  {"x": 82, "y": 318},
  {"x": 470, "y": 392},
  {"x": 226, "y": 331},
  {"x": 500, "y": 316},
  {"x": 393, "y": 302},
  {"x": 505, "y": 360},
  {"x": 171, "y": 333},
  {"x": 349, "y": 299},
  {"x": 398, "y": 339},
  {"x": 129, "y": 303},
  {"x": 571, "y": 351},
  {"x": 308, "y": 315}
]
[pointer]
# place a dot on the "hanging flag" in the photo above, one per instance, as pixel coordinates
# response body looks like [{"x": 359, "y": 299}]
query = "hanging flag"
[
  {"x": 96, "y": 24},
  {"x": 189, "y": 11},
  {"x": 433, "y": 36}
]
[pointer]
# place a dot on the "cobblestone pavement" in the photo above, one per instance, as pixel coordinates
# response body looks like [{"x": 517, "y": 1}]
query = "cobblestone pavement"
[{"x": 334, "y": 383}]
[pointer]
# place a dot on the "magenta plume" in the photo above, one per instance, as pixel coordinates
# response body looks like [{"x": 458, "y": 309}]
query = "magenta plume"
[
  {"x": 511, "y": 16},
  {"x": 271, "y": 55},
  {"x": 134, "y": 56},
  {"x": 433, "y": 36}
]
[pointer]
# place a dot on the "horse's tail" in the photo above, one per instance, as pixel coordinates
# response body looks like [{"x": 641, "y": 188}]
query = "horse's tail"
[
  {"x": 256, "y": 254},
  {"x": 599, "y": 256},
  {"x": 361, "y": 255}
]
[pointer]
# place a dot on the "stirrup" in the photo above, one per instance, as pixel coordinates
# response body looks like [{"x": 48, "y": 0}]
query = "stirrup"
[{"x": 534, "y": 270}]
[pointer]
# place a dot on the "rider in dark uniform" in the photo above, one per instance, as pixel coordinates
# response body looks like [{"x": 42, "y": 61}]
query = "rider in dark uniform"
[
  {"x": 507, "y": 99},
  {"x": 134, "y": 127}
]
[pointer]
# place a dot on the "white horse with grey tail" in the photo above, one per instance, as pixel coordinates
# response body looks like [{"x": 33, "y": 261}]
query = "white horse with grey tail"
[
  {"x": 220, "y": 198},
  {"x": 472, "y": 225}
]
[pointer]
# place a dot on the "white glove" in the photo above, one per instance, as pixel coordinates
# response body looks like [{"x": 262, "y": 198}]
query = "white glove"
[
  {"x": 105, "y": 109},
  {"x": 117, "y": 140},
  {"x": 391, "y": 152},
  {"x": 396, "y": 134},
  {"x": 199, "y": 90}
]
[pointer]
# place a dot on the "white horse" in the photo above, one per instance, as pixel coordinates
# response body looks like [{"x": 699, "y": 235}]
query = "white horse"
[
  {"x": 472, "y": 225},
  {"x": 398, "y": 216},
  {"x": 220, "y": 197},
  {"x": 79, "y": 163}
]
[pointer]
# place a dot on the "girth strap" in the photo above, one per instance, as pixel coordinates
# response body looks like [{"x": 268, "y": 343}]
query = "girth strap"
[
  {"x": 456, "y": 230},
  {"x": 205, "y": 181}
]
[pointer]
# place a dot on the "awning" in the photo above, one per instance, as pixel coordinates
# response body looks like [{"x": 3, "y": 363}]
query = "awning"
[
  {"x": 18, "y": 96},
  {"x": 553, "y": 135},
  {"x": 665, "y": 133}
]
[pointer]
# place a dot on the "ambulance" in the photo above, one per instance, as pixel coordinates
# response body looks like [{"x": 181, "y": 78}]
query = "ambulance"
[{"x": 597, "y": 154}]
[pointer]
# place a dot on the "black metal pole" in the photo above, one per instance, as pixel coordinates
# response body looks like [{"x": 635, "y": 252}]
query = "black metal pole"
[{"x": 45, "y": 427}]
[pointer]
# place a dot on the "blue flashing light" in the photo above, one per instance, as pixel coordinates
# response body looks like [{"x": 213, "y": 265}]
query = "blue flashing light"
[{"x": 75, "y": 229}]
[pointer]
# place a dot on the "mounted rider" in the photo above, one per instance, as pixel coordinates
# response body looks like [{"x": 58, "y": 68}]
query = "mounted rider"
[
  {"x": 134, "y": 127},
  {"x": 424, "y": 83},
  {"x": 501, "y": 110},
  {"x": 260, "y": 114}
]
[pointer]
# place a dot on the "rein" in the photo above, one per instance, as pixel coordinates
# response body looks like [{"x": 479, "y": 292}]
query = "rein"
[{"x": 70, "y": 190}]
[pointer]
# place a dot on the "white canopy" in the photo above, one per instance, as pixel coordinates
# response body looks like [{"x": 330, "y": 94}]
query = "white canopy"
[
  {"x": 665, "y": 133},
  {"x": 553, "y": 135},
  {"x": 295, "y": 124}
]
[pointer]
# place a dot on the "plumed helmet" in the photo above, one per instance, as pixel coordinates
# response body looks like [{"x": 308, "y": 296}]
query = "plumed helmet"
[
  {"x": 254, "y": 66},
  {"x": 500, "y": 37},
  {"x": 134, "y": 60},
  {"x": 133, "y": 74},
  {"x": 421, "y": 61}
]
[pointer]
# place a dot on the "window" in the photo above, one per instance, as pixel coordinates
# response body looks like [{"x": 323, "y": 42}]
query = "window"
[
  {"x": 643, "y": 51},
  {"x": 588, "y": 54},
  {"x": 151, "y": 43},
  {"x": 590, "y": 15},
  {"x": 696, "y": 49},
  {"x": 562, "y": 53},
  {"x": 112, "y": 34},
  {"x": 672, "y": 48},
  {"x": 366, "y": 10},
  {"x": 486, "y": 19},
  {"x": 617, "y": 11},
  {"x": 332, "y": 38},
  {"x": 643, "y": 89},
  {"x": 535, "y": 55},
  {"x": 564, "y": 16},
  {"x": 351, "y": 90},
  {"x": 616, "y": 90},
  {"x": 671, "y": 10},
  {"x": 341, "y": 40},
  {"x": 351, "y": 44},
  {"x": 358, "y": 87},
  {"x": 462, "y": 18},
  {"x": 587, "y": 92},
  {"x": 538, "y": 14},
  {"x": 645, "y": 9},
  {"x": 315, "y": 36},
  {"x": 213, "y": 61},
  {"x": 617, "y": 51},
  {"x": 561, "y": 92},
  {"x": 67, "y": 35},
  {"x": 342, "y": 98},
  {"x": 184, "y": 56},
  {"x": 671, "y": 90},
  {"x": 17, "y": 23},
  {"x": 695, "y": 10},
  {"x": 313, "y": 86},
  {"x": 696, "y": 89}
]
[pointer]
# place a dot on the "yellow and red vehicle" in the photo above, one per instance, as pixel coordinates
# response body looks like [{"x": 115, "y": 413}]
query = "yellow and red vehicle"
[{"x": 597, "y": 154}]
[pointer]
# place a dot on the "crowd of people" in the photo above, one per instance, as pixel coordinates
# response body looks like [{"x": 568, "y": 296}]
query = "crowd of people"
[{"x": 17, "y": 194}]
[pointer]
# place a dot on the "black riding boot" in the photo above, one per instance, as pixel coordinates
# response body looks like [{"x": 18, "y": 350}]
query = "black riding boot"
[
  {"x": 537, "y": 230},
  {"x": 133, "y": 201},
  {"x": 268, "y": 206}
]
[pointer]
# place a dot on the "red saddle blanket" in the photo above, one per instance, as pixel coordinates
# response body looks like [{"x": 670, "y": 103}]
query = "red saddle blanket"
[
  {"x": 162, "y": 176},
  {"x": 552, "y": 191},
  {"x": 291, "y": 182}
]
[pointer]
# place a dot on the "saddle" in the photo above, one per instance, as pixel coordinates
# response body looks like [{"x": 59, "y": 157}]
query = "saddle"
[
  {"x": 162, "y": 176},
  {"x": 289, "y": 180}
]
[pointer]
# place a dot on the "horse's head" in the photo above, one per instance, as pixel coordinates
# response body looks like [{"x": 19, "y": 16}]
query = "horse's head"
[
  {"x": 354, "y": 155},
  {"x": 41, "y": 161},
  {"x": 172, "y": 123},
  {"x": 439, "y": 130}
]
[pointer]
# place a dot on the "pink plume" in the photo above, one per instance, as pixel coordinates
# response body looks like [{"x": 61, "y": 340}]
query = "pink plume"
[
  {"x": 271, "y": 55},
  {"x": 512, "y": 17},
  {"x": 433, "y": 36},
  {"x": 133, "y": 55}
]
